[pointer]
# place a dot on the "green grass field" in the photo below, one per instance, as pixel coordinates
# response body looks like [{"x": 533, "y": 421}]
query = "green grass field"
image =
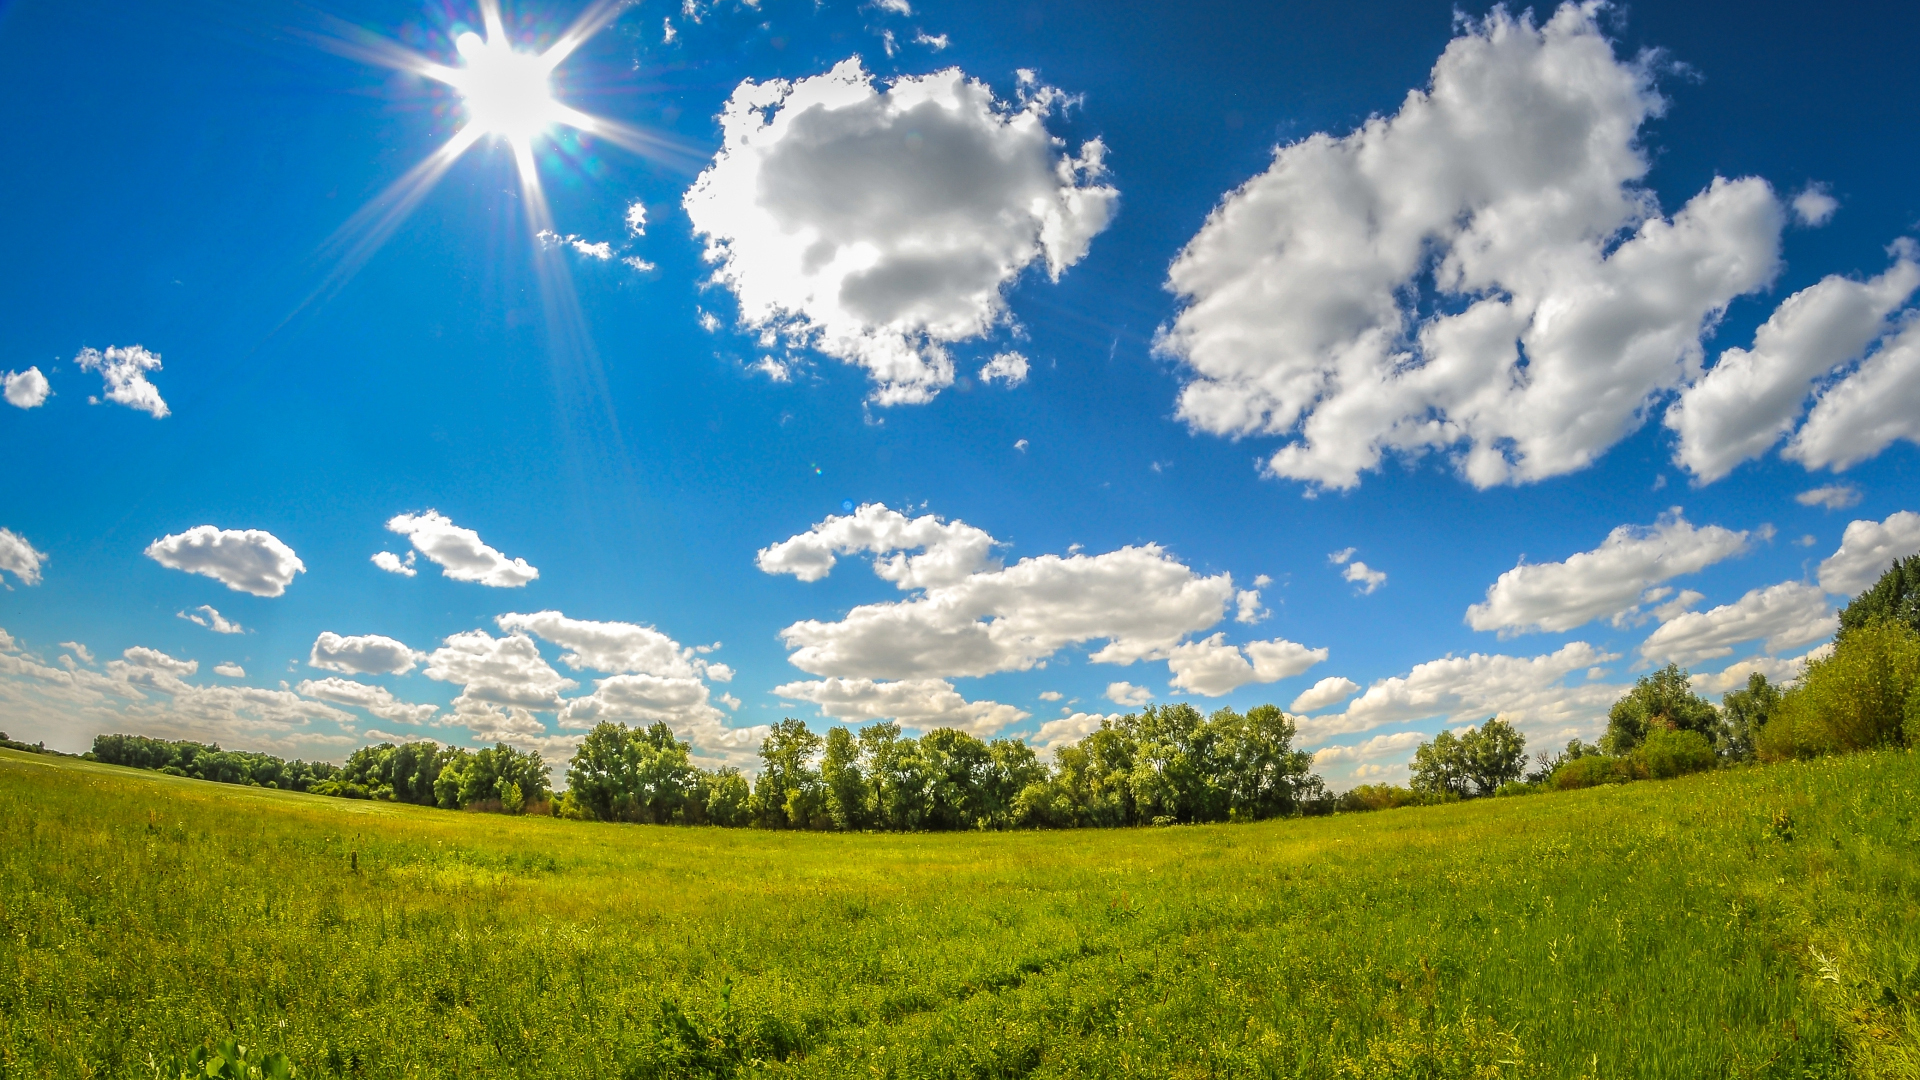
[{"x": 1760, "y": 922}]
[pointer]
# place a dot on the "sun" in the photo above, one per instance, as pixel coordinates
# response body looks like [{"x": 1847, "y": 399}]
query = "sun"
[{"x": 506, "y": 92}]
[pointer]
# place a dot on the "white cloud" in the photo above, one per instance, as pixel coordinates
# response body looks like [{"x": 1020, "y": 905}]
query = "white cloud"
[
  {"x": 1752, "y": 398},
  {"x": 897, "y": 7},
  {"x": 230, "y": 669},
  {"x": 950, "y": 551},
  {"x": 1833, "y": 496},
  {"x": 393, "y": 564},
  {"x": 1008, "y": 367},
  {"x": 125, "y": 371},
  {"x": 637, "y": 216},
  {"x": 459, "y": 552},
  {"x": 778, "y": 370},
  {"x": 922, "y": 704},
  {"x": 1247, "y": 606},
  {"x": 1327, "y": 691},
  {"x": 1378, "y": 746},
  {"x": 669, "y": 33},
  {"x": 1021, "y": 445},
  {"x": 601, "y": 250},
  {"x": 1512, "y": 186},
  {"x": 1533, "y": 693},
  {"x": 1212, "y": 667},
  {"x": 881, "y": 226},
  {"x": 505, "y": 671},
  {"x": 1603, "y": 582},
  {"x": 616, "y": 647},
  {"x": 212, "y": 620},
  {"x": 25, "y": 389},
  {"x": 1867, "y": 550},
  {"x": 19, "y": 558},
  {"x": 1055, "y": 734},
  {"x": 1814, "y": 207},
  {"x": 140, "y": 656},
  {"x": 1869, "y": 410},
  {"x": 1778, "y": 670},
  {"x": 1787, "y": 615},
  {"x": 1051, "y": 695},
  {"x": 363, "y": 654},
  {"x": 249, "y": 561},
  {"x": 79, "y": 650},
  {"x": 681, "y": 703},
  {"x": 377, "y": 700},
  {"x": 1127, "y": 695},
  {"x": 936, "y": 42},
  {"x": 1364, "y": 576}
]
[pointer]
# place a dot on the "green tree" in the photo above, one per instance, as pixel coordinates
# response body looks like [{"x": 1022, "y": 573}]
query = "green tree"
[
  {"x": 1263, "y": 776},
  {"x": 729, "y": 798},
  {"x": 1440, "y": 766},
  {"x": 1664, "y": 699},
  {"x": 620, "y": 774},
  {"x": 1895, "y": 597},
  {"x": 846, "y": 786},
  {"x": 1863, "y": 695},
  {"x": 897, "y": 783},
  {"x": 1747, "y": 712},
  {"x": 1493, "y": 754},
  {"x": 787, "y": 793}
]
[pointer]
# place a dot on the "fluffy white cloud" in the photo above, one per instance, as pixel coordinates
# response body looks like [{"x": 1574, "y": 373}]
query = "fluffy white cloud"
[
  {"x": 1398, "y": 742},
  {"x": 1778, "y": 670},
  {"x": 1212, "y": 667},
  {"x": 1606, "y": 581},
  {"x": 393, "y": 564},
  {"x": 1533, "y": 693},
  {"x": 19, "y": 558},
  {"x": 637, "y": 218},
  {"x": 1006, "y": 367},
  {"x": 601, "y": 250},
  {"x": 79, "y": 650},
  {"x": 1328, "y": 691},
  {"x": 1507, "y": 200},
  {"x": 879, "y": 226},
  {"x": 249, "y": 561},
  {"x": 1246, "y": 604},
  {"x": 1787, "y": 615},
  {"x": 922, "y": 704},
  {"x": 1753, "y": 397},
  {"x": 362, "y": 654},
  {"x": 1833, "y": 496},
  {"x": 1814, "y": 207},
  {"x": 125, "y": 372},
  {"x": 1128, "y": 695},
  {"x": 25, "y": 389},
  {"x": 140, "y": 656},
  {"x": 1364, "y": 576},
  {"x": 1867, "y": 550},
  {"x": 617, "y": 647},
  {"x": 1869, "y": 410},
  {"x": 1055, "y": 734},
  {"x": 506, "y": 671},
  {"x": 680, "y": 703},
  {"x": 949, "y": 551},
  {"x": 377, "y": 700},
  {"x": 206, "y": 616},
  {"x": 459, "y": 552}
]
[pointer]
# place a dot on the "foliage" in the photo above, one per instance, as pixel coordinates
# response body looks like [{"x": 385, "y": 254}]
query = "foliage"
[
  {"x": 1894, "y": 598},
  {"x": 1747, "y": 711},
  {"x": 1668, "y": 753},
  {"x": 1650, "y": 930},
  {"x": 620, "y": 774},
  {"x": 1478, "y": 761},
  {"x": 224, "y": 1060},
  {"x": 1383, "y": 797},
  {"x": 208, "y": 762},
  {"x": 1664, "y": 699},
  {"x": 1863, "y": 695}
]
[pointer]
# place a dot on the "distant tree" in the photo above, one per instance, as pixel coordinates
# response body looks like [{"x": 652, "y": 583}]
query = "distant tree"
[
  {"x": 1494, "y": 754},
  {"x": 845, "y": 783},
  {"x": 957, "y": 767},
  {"x": 1547, "y": 764},
  {"x": 1440, "y": 766},
  {"x": 485, "y": 775},
  {"x": 1262, "y": 774},
  {"x": 1747, "y": 712},
  {"x": 729, "y": 798},
  {"x": 787, "y": 793},
  {"x": 1015, "y": 767},
  {"x": 621, "y": 774},
  {"x": 1664, "y": 699},
  {"x": 1895, "y": 597}
]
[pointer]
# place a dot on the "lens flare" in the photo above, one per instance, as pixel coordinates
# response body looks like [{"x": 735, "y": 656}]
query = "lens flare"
[{"x": 506, "y": 93}]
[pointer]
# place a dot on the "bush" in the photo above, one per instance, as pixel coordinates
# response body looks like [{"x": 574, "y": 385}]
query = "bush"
[
  {"x": 1667, "y": 754},
  {"x": 1595, "y": 770},
  {"x": 1387, "y": 797},
  {"x": 1859, "y": 697}
]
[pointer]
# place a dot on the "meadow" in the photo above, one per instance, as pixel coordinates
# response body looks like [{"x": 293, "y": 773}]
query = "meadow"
[{"x": 1760, "y": 921}]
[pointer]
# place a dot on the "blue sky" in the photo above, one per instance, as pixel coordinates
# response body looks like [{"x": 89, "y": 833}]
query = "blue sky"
[{"x": 1253, "y": 309}]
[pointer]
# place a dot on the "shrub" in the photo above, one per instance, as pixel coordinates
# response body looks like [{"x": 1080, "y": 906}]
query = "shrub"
[
  {"x": 1858, "y": 697},
  {"x": 1386, "y": 797},
  {"x": 1668, "y": 754},
  {"x": 1594, "y": 770}
]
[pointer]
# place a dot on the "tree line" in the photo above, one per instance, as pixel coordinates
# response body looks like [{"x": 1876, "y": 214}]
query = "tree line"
[{"x": 1163, "y": 765}]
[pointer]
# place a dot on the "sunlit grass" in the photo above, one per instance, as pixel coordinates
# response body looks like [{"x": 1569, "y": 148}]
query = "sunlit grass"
[{"x": 1743, "y": 923}]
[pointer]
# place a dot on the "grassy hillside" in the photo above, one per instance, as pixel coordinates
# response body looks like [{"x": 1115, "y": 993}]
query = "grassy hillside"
[{"x": 1760, "y": 922}]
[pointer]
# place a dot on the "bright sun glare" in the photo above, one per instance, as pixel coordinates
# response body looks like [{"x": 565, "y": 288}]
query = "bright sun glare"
[{"x": 507, "y": 93}]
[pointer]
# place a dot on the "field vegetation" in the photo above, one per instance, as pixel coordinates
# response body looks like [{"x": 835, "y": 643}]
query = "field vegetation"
[{"x": 1760, "y": 921}]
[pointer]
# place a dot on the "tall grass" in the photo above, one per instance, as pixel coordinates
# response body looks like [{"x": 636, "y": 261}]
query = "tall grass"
[{"x": 1756, "y": 922}]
